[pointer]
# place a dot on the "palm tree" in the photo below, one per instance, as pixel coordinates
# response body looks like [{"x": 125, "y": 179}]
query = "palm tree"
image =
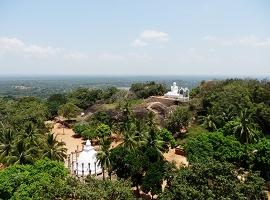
[
  {"x": 130, "y": 138},
  {"x": 31, "y": 134},
  {"x": 54, "y": 149},
  {"x": 155, "y": 143},
  {"x": 151, "y": 138},
  {"x": 151, "y": 122},
  {"x": 20, "y": 153},
  {"x": 245, "y": 129},
  {"x": 209, "y": 121},
  {"x": 141, "y": 131},
  {"x": 6, "y": 140},
  {"x": 103, "y": 156}
]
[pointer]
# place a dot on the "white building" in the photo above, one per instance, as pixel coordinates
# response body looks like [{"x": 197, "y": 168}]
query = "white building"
[{"x": 87, "y": 162}]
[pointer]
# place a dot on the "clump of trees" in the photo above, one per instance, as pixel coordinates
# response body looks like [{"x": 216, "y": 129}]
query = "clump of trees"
[
  {"x": 215, "y": 146},
  {"x": 214, "y": 180},
  {"x": 97, "y": 126},
  {"x": 24, "y": 138},
  {"x": 245, "y": 158},
  {"x": 145, "y": 90},
  {"x": 46, "y": 179},
  {"x": 178, "y": 119},
  {"x": 238, "y": 107},
  {"x": 69, "y": 110},
  {"x": 69, "y": 105},
  {"x": 27, "y": 146},
  {"x": 54, "y": 102}
]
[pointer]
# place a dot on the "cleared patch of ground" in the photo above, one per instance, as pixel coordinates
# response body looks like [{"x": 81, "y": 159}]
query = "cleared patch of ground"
[
  {"x": 174, "y": 158},
  {"x": 66, "y": 135}
]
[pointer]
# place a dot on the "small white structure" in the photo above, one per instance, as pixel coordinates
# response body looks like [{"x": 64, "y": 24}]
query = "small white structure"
[
  {"x": 87, "y": 162},
  {"x": 176, "y": 93}
]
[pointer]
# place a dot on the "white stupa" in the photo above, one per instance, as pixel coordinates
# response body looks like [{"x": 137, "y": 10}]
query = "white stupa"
[{"x": 86, "y": 159}]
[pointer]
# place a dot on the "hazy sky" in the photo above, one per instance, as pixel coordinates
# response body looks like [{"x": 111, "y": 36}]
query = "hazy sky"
[{"x": 136, "y": 37}]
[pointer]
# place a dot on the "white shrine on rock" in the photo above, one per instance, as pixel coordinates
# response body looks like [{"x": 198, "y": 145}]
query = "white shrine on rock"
[
  {"x": 176, "y": 93},
  {"x": 87, "y": 162}
]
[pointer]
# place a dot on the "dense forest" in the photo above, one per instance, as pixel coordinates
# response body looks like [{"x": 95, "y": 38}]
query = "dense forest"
[{"x": 226, "y": 142}]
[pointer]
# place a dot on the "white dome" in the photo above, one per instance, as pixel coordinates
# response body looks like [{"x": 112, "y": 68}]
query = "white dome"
[{"x": 86, "y": 159}]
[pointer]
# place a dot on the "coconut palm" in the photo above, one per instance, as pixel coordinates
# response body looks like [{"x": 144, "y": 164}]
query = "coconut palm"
[
  {"x": 103, "y": 156},
  {"x": 209, "y": 122},
  {"x": 54, "y": 149},
  {"x": 21, "y": 153},
  {"x": 126, "y": 116},
  {"x": 131, "y": 138},
  {"x": 154, "y": 142},
  {"x": 141, "y": 131},
  {"x": 6, "y": 140},
  {"x": 245, "y": 129},
  {"x": 31, "y": 134}
]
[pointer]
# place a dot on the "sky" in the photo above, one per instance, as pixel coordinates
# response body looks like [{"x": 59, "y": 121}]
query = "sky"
[{"x": 135, "y": 37}]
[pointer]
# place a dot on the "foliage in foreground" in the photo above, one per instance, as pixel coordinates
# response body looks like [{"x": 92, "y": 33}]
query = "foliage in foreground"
[
  {"x": 100, "y": 190},
  {"x": 47, "y": 179},
  {"x": 214, "y": 180},
  {"x": 43, "y": 180},
  {"x": 222, "y": 148}
]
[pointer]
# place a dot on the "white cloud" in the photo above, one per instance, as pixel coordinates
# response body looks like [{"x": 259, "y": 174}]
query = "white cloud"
[
  {"x": 110, "y": 57},
  {"x": 17, "y": 46},
  {"x": 138, "y": 43},
  {"x": 210, "y": 38},
  {"x": 76, "y": 56},
  {"x": 150, "y": 36},
  {"x": 250, "y": 40}
]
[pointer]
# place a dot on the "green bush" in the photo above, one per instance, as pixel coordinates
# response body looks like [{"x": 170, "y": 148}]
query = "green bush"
[
  {"x": 261, "y": 158},
  {"x": 178, "y": 119},
  {"x": 214, "y": 180},
  {"x": 80, "y": 128},
  {"x": 215, "y": 145},
  {"x": 89, "y": 134},
  {"x": 43, "y": 180},
  {"x": 167, "y": 137}
]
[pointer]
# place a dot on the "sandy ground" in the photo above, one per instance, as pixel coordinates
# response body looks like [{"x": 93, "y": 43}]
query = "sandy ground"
[
  {"x": 177, "y": 159},
  {"x": 66, "y": 135}
]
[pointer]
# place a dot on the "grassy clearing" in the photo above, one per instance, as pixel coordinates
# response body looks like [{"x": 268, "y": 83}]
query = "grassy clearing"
[
  {"x": 193, "y": 131},
  {"x": 134, "y": 102},
  {"x": 108, "y": 106}
]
